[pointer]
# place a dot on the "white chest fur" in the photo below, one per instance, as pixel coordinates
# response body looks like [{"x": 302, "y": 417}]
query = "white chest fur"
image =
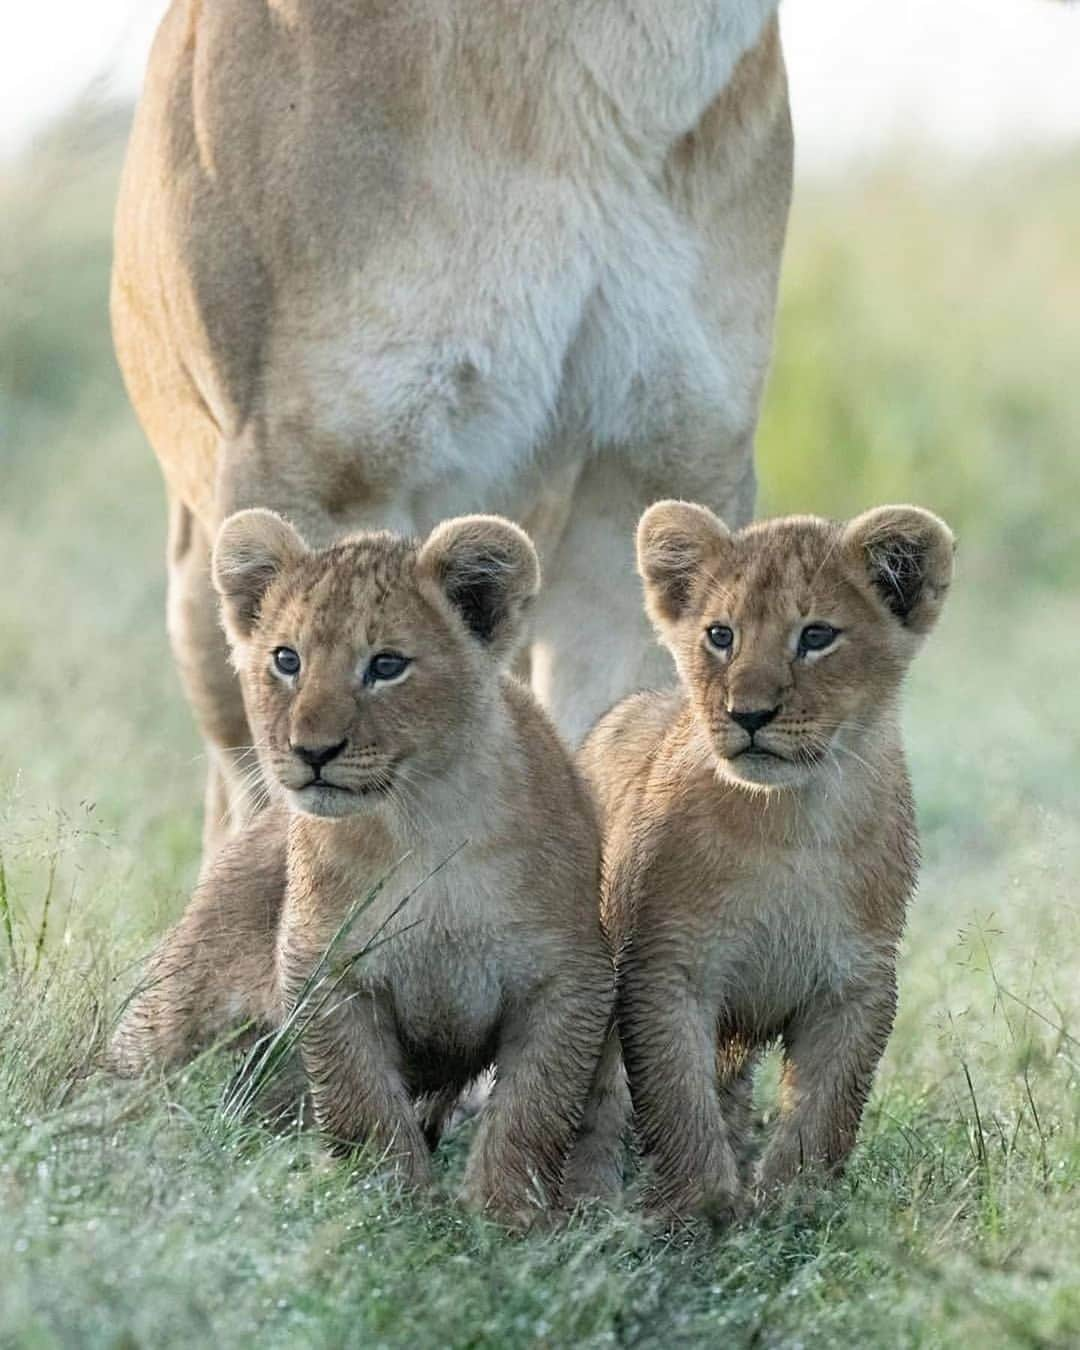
[
  {"x": 500, "y": 302},
  {"x": 783, "y": 933},
  {"x": 437, "y": 934}
]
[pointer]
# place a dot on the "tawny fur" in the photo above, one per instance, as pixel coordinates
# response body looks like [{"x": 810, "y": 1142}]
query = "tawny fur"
[
  {"x": 754, "y": 897},
  {"x": 451, "y": 825},
  {"x": 214, "y": 970},
  {"x": 382, "y": 262}
]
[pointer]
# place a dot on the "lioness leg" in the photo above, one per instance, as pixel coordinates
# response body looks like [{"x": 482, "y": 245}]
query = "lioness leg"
[
  {"x": 215, "y": 968},
  {"x": 669, "y": 1042},
  {"x": 547, "y": 1056},
  {"x": 591, "y": 585},
  {"x": 590, "y": 588},
  {"x": 202, "y": 658},
  {"x": 831, "y": 1053}
]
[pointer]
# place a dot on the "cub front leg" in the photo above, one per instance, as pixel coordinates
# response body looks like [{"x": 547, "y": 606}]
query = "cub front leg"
[
  {"x": 830, "y": 1052},
  {"x": 736, "y": 1061},
  {"x": 354, "y": 1065},
  {"x": 594, "y": 1170},
  {"x": 548, "y": 1051},
  {"x": 669, "y": 1043}
]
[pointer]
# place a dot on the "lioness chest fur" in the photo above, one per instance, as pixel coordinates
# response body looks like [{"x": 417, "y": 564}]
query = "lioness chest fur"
[
  {"x": 381, "y": 262},
  {"x": 760, "y": 845}
]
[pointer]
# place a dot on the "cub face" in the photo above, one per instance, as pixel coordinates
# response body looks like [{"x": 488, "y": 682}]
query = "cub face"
[
  {"x": 367, "y": 665},
  {"x": 792, "y": 635}
]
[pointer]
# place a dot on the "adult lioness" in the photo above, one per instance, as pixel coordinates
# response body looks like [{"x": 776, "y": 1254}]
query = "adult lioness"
[
  {"x": 759, "y": 839},
  {"x": 407, "y": 759},
  {"x": 384, "y": 261}
]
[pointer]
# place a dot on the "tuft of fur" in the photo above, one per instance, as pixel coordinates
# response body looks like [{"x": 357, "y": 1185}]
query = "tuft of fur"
[{"x": 754, "y": 896}]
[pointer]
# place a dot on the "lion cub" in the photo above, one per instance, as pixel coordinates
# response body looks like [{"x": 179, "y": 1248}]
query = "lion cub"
[
  {"x": 441, "y": 909},
  {"x": 760, "y": 845}
]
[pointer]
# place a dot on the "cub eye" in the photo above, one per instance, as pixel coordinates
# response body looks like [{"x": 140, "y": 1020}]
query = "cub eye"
[
  {"x": 286, "y": 661},
  {"x": 720, "y": 636},
  {"x": 815, "y": 637},
  {"x": 386, "y": 666}
]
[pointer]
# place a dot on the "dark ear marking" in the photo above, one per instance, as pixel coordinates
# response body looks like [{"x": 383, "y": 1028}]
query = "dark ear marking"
[
  {"x": 475, "y": 592},
  {"x": 487, "y": 569},
  {"x": 907, "y": 557},
  {"x": 897, "y": 570}
]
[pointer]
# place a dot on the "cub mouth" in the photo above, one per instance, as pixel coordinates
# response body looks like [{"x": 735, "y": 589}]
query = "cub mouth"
[
  {"x": 804, "y": 756},
  {"x": 759, "y": 767},
  {"x": 321, "y": 797},
  {"x": 758, "y": 752},
  {"x": 360, "y": 790}
]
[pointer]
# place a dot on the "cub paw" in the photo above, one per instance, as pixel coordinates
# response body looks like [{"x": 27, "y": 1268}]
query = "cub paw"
[
  {"x": 717, "y": 1207},
  {"x": 520, "y": 1209}
]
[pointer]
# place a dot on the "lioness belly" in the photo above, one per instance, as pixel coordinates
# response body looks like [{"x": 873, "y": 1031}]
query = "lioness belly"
[{"x": 434, "y": 380}]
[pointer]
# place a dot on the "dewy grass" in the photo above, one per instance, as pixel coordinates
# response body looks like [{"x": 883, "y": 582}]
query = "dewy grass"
[
  {"x": 272, "y": 1052},
  {"x": 5, "y": 920},
  {"x": 46, "y": 904},
  {"x": 913, "y": 363}
]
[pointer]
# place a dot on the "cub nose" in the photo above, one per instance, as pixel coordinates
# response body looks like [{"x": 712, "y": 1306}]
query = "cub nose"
[
  {"x": 315, "y": 756},
  {"x": 752, "y": 721}
]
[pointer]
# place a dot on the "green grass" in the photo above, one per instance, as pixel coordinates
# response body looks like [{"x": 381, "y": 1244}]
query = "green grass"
[{"x": 928, "y": 348}]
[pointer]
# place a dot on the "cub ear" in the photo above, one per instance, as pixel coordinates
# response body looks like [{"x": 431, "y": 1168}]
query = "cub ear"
[
  {"x": 252, "y": 549},
  {"x": 673, "y": 540},
  {"x": 907, "y": 555},
  {"x": 488, "y": 569}
]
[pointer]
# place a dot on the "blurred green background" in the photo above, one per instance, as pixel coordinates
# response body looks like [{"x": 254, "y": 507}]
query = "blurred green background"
[{"x": 928, "y": 349}]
